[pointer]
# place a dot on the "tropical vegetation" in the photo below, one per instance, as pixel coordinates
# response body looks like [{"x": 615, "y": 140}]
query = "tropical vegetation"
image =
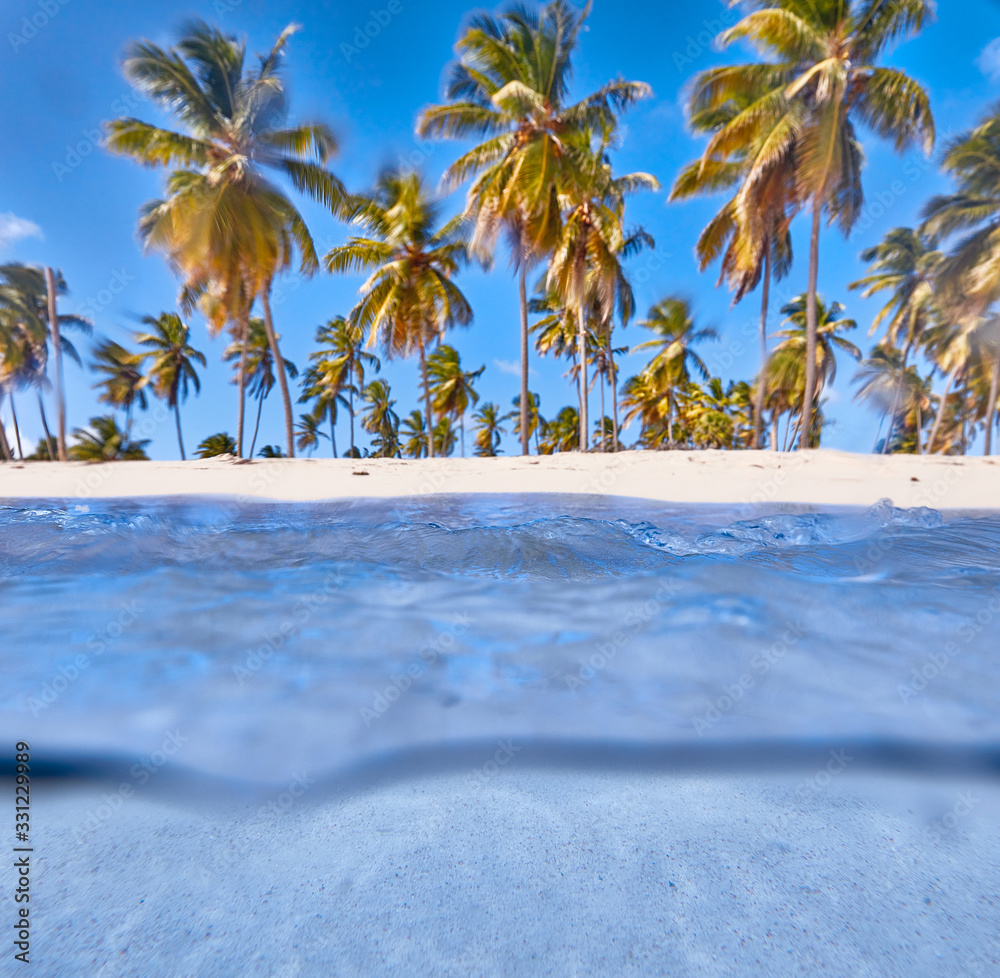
[{"x": 783, "y": 145}]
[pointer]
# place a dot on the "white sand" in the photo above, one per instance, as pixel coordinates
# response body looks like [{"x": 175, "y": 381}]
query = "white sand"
[
  {"x": 821, "y": 477},
  {"x": 561, "y": 873}
]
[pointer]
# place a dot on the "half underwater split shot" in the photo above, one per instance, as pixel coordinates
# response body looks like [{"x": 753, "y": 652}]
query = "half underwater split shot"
[
  {"x": 502, "y": 489},
  {"x": 503, "y": 735}
]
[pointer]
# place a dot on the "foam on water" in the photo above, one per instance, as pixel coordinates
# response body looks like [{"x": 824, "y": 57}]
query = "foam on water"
[{"x": 276, "y": 637}]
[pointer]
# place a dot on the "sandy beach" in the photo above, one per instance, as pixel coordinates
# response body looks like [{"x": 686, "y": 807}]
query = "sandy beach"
[{"x": 821, "y": 477}]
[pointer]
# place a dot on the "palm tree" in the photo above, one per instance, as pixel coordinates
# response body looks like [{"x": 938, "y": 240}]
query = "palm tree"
[
  {"x": 409, "y": 300},
  {"x": 561, "y": 434},
  {"x": 713, "y": 415},
  {"x": 23, "y": 358},
  {"x": 751, "y": 233},
  {"x": 214, "y": 445},
  {"x": 585, "y": 267},
  {"x": 970, "y": 275},
  {"x": 5, "y": 450},
  {"x": 231, "y": 305},
  {"x": 28, "y": 306},
  {"x": 788, "y": 363},
  {"x": 413, "y": 429},
  {"x": 644, "y": 398},
  {"x": 444, "y": 437},
  {"x": 917, "y": 405},
  {"x": 898, "y": 389},
  {"x": 824, "y": 77},
  {"x": 676, "y": 334},
  {"x": 381, "y": 420},
  {"x": 7, "y": 385},
  {"x": 536, "y": 422},
  {"x": 511, "y": 86},
  {"x": 309, "y": 433},
  {"x": 53, "y": 318},
  {"x": 742, "y": 409},
  {"x": 339, "y": 366},
  {"x": 413, "y": 434},
  {"x": 558, "y": 334},
  {"x": 123, "y": 384},
  {"x": 905, "y": 265},
  {"x": 224, "y": 226},
  {"x": 603, "y": 431},
  {"x": 952, "y": 350},
  {"x": 986, "y": 350},
  {"x": 322, "y": 384},
  {"x": 489, "y": 430},
  {"x": 606, "y": 373},
  {"x": 452, "y": 392},
  {"x": 105, "y": 442},
  {"x": 173, "y": 363},
  {"x": 256, "y": 358},
  {"x": 271, "y": 451}
]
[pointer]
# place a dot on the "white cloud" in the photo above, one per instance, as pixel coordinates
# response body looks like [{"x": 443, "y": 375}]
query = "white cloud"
[
  {"x": 8, "y": 429},
  {"x": 988, "y": 61},
  {"x": 14, "y": 228},
  {"x": 511, "y": 367}
]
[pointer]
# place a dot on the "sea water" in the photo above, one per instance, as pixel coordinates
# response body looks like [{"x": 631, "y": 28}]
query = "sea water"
[{"x": 764, "y": 682}]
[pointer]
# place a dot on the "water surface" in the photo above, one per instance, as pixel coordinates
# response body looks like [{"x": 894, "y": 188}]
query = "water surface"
[{"x": 275, "y": 638}]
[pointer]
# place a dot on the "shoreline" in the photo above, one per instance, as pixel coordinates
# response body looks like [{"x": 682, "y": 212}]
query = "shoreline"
[{"x": 819, "y": 477}]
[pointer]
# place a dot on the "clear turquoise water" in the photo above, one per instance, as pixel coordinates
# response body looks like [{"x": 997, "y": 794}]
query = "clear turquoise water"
[{"x": 276, "y": 636}]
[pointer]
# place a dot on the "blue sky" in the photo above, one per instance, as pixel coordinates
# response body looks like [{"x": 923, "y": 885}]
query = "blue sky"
[{"x": 65, "y": 202}]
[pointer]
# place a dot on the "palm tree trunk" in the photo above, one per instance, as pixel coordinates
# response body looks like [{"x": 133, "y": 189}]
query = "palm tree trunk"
[
  {"x": 241, "y": 381},
  {"x": 878, "y": 433},
  {"x": 920, "y": 425},
  {"x": 272, "y": 342},
  {"x": 523, "y": 290},
  {"x": 670, "y": 419},
  {"x": 805, "y": 423},
  {"x": 4, "y": 444},
  {"x": 797, "y": 432},
  {"x": 892, "y": 422},
  {"x": 180, "y": 437},
  {"x": 758, "y": 407},
  {"x": 17, "y": 429},
  {"x": 600, "y": 381},
  {"x": 350, "y": 396},
  {"x": 50, "y": 286},
  {"x": 991, "y": 412},
  {"x": 461, "y": 428},
  {"x": 613, "y": 384},
  {"x": 581, "y": 353},
  {"x": 788, "y": 432},
  {"x": 427, "y": 402},
  {"x": 774, "y": 430},
  {"x": 333, "y": 433},
  {"x": 895, "y": 399},
  {"x": 45, "y": 427},
  {"x": 256, "y": 427},
  {"x": 935, "y": 428}
]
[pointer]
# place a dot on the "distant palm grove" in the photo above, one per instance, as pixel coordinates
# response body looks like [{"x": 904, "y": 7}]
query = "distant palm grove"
[{"x": 783, "y": 140}]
